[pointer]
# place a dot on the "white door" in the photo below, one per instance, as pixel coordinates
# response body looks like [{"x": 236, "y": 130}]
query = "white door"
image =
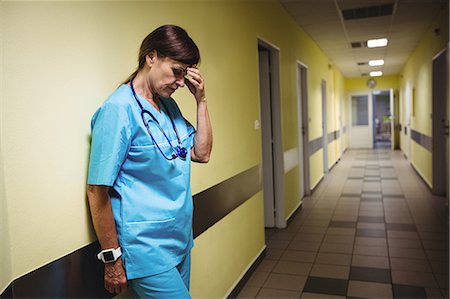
[
  {"x": 439, "y": 112},
  {"x": 324, "y": 126},
  {"x": 341, "y": 127},
  {"x": 302, "y": 124},
  {"x": 360, "y": 127},
  {"x": 408, "y": 100},
  {"x": 267, "y": 138}
]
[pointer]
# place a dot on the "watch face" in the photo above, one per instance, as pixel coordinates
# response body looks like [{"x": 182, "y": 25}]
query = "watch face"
[{"x": 108, "y": 256}]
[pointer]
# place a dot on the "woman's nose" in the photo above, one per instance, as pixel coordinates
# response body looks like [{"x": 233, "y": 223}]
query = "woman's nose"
[{"x": 180, "y": 82}]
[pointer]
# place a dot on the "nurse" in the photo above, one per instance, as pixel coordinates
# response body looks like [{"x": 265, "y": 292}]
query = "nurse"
[{"x": 139, "y": 172}]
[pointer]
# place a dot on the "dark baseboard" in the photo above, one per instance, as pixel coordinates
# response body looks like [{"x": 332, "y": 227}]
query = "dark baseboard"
[{"x": 238, "y": 288}]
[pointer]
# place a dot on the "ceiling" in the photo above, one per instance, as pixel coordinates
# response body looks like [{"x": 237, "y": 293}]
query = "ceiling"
[{"x": 324, "y": 22}]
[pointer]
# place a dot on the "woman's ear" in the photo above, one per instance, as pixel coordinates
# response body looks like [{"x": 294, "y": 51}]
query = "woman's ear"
[{"x": 151, "y": 58}]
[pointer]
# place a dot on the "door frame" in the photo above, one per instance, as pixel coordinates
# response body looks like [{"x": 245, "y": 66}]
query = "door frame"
[
  {"x": 438, "y": 124},
  {"x": 367, "y": 93},
  {"x": 395, "y": 119},
  {"x": 303, "y": 128},
  {"x": 276, "y": 145},
  {"x": 323, "y": 91},
  {"x": 408, "y": 116}
]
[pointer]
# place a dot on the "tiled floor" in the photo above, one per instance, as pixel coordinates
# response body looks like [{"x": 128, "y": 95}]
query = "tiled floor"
[{"x": 372, "y": 229}]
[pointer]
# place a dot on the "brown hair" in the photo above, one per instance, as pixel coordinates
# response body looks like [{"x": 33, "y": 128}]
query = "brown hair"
[{"x": 168, "y": 41}]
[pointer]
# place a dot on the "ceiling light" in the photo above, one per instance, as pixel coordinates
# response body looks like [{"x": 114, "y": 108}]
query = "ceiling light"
[
  {"x": 376, "y": 74},
  {"x": 376, "y": 62},
  {"x": 374, "y": 43}
]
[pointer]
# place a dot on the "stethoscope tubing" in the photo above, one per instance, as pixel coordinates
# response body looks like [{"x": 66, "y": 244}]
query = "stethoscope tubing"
[{"x": 180, "y": 151}]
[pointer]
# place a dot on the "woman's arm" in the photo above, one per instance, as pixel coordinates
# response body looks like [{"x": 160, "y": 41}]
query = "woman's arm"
[
  {"x": 103, "y": 219},
  {"x": 203, "y": 135}
]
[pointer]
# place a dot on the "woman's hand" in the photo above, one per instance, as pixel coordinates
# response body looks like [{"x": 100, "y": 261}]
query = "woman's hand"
[
  {"x": 115, "y": 278},
  {"x": 195, "y": 83}
]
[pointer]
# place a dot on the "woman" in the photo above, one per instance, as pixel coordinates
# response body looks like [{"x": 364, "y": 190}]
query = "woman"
[{"x": 138, "y": 182}]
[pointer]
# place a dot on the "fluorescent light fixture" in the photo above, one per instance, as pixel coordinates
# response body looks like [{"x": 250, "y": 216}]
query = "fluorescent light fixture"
[
  {"x": 374, "y": 43},
  {"x": 376, "y": 73},
  {"x": 376, "y": 62}
]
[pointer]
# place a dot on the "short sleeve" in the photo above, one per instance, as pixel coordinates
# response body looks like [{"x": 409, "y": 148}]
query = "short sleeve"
[
  {"x": 111, "y": 139},
  {"x": 191, "y": 132}
]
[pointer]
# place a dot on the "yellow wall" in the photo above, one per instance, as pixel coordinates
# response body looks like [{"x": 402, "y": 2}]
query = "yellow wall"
[
  {"x": 216, "y": 266},
  {"x": 383, "y": 83},
  {"x": 60, "y": 62},
  {"x": 417, "y": 81},
  {"x": 5, "y": 254}
]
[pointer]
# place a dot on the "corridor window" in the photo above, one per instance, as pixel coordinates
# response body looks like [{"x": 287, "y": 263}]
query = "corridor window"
[{"x": 360, "y": 110}]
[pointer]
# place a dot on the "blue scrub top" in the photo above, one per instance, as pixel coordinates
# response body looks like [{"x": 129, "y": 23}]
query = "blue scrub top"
[{"x": 151, "y": 196}]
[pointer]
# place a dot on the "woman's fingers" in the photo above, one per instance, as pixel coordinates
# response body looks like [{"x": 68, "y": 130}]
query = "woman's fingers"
[{"x": 195, "y": 83}]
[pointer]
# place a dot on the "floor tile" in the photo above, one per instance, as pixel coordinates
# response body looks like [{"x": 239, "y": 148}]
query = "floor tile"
[
  {"x": 266, "y": 265},
  {"x": 273, "y": 254},
  {"x": 326, "y": 286},
  {"x": 437, "y": 255},
  {"x": 370, "y": 261},
  {"x": 414, "y": 278},
  {"x": 362, "y": 289},
  {"x": 320, "y": 296},
  {"x": 401, "y": 227},
  {"x": 304, "y": 246},
  {"x": 370, "y": 250},
  {"x": 336, "y": 248},
  {"x": 285, "y": 282},
  {"x": 312, "y": 229},
  {"x": 433, "y": 293},
  {"x": 372, "y": 226},
  {"x": 402, "y": 291},
  {"x": 374, "y": 233},
  {"x": 309, "y": 237},
  {"x": 283, "y": 235},
  {"x": 293, "y": 268},
  {"x": 248, "y": 292},
  {"x": 404, "y": 243},
  {"x": 343, "y": 224},
  {"x": 402, "y": 235},
  {"x": 277, "y": 244},
  {"x": 257, "y": 279},
  {"x": 407, "y": 253},
  {"x": 442, "y": 280},
  {"x": 330, "y": 271},
  {"x": 274, "y": 293},
  {"x": 417, "y": 265},
  {"x": 439, "y": 267},
  {"x": 341, "y": 231},
  {"x": 371, "y": 219},
  {"x": 369, "y": 230},
  {"x": 338, "y": 239},
  {"x": 370, "y": 274},
  {"x": 366, "y": 241},
  {"x": 333, "y": 259},
  {"x": 298, "y": 256}
]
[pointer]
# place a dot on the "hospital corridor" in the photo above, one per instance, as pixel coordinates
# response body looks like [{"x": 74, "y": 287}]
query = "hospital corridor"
[
  {"x": 372, "y": 230},
  {"x": 273, "y": 149}
]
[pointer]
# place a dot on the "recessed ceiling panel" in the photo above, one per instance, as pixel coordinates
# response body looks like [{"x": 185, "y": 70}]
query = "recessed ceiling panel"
[{"x": 323, "y": 21}]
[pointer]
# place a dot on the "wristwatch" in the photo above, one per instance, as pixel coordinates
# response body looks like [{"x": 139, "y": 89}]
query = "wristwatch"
[{"x": 109, "y": 255}]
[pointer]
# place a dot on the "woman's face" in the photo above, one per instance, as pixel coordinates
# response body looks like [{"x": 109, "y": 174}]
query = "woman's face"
[{"x": 166, "y": 75}]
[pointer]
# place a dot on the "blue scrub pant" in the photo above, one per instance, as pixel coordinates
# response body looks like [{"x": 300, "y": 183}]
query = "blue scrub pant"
[{"x": 173, "y": 283}]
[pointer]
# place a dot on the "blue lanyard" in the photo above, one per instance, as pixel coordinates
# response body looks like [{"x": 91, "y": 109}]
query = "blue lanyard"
[{"x": 179, "y": 151}]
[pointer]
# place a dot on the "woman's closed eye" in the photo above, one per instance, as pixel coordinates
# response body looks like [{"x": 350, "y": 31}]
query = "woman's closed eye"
[{"x": 179, "y": 72}]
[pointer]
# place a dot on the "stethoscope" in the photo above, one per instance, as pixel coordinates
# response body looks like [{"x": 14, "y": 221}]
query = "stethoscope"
[{"x": 179, "y": 151}]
